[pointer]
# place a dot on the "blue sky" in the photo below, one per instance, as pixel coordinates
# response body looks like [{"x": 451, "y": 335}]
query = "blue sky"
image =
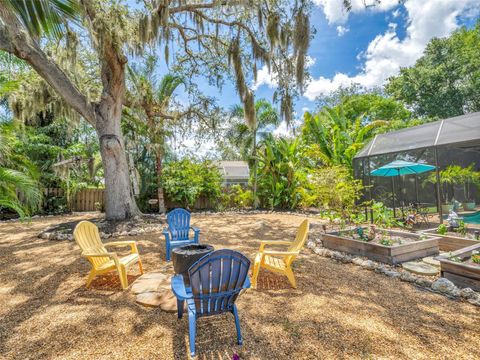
[{"x": 365, "y": 46}]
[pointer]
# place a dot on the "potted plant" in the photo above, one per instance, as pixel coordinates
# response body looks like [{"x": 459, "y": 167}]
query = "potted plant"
[
  {"x": 456, "y": 175},
  {"x": 445, "y": 179},
  {"x": 470, "y": 177}
]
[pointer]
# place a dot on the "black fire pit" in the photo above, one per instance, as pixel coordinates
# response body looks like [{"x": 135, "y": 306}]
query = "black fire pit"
[{"x": 184, "y": 256}]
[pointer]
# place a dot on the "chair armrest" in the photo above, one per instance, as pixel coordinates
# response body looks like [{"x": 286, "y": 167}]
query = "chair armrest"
[
  {"x": 131, "y": 243},
  {"x": 196, "y": 232},
  {"x": 108, "y": 254},
  {"x": 166, "y": 233},
  {"x": 280, "y": 253},
  {"x": 120, "y": 243},
  {"x": 179, "y": 289},
  {"x": 246, "y": 284},
  {"x": 263, "y": 243}
]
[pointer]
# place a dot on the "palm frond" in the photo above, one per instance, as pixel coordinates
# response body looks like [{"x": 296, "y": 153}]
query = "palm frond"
[
  {"x": 167, "y": 87},
  {"x": 14, "y": 205},
  {"x": 45, "y": 16}
]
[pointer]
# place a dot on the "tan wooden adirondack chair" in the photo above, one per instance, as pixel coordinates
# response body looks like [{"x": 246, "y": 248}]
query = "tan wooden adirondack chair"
[
  {"x": 88, "y": 238},
  {"x": 280, "y": 261}
]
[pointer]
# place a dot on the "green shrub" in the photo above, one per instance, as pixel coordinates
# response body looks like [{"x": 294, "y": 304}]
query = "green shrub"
[
  {"x": 235, "y": 197},
  {"x": 442, "y": 229},
  {"x": 383, "y": 216},
  {"x": 281, "y": 175},
  {"x": 186, "y": 181},
  {"x": 240, "y": 198},
  {"x": 332, "y": 188},
  {"x": 462, "y": 228}
]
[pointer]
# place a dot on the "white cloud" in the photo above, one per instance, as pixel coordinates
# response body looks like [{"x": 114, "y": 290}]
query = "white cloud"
[
  {"x": 282, "y": 130},
  {"x": 386, "y": 53},
  {"x": 264, "y": 77},
  {"x": 396, "y": 13},
  {"x": 342, "y": 30},
  {"x": 335, "y": 12},
  {"x": 288, "y": 131}
]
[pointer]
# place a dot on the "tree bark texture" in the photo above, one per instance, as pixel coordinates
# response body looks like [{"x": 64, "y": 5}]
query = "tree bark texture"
[
  {"x": 161, "y": 197},
  {"x": 104, "y": 115}
]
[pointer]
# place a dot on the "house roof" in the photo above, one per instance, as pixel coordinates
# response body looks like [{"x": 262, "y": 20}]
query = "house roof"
[
  {"x": 233, "y": 169},
  {"x": 462, "y": 129}
]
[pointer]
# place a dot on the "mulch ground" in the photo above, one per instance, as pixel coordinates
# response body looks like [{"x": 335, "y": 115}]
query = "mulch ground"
[{"x": 338, "y": 310}]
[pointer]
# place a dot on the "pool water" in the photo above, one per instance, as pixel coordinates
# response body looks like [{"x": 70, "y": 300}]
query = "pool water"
[{"x": 472, "y": 218}]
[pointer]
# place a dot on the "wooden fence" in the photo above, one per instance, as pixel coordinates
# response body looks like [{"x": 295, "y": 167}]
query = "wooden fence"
[{"x": 85, "y": 200}]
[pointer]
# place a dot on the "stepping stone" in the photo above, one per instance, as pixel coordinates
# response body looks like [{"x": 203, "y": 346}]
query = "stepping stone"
[
  {"x": 165, "y": 300},
  {"x": 168, "y": 302},
  {"x": 151, "y": 282},
  {"x": 154, "y": 290},
  {"x": 149, "y": 299},
  {"x": 420, "y": 268},
  {"x": 153, "y": 275},
  {"x": 430, "y": 260}
]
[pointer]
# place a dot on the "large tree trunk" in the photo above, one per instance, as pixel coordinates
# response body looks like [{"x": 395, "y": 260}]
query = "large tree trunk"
[
  {"x": 161, "y": 198},
  {"x": 105, "y": 115},
  {"x": 255, "y": 165},
  {"x": 120, "y": 203}
]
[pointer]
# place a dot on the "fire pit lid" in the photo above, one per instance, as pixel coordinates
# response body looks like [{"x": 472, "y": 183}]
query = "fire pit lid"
[
  {"x": 188, "y": 250},
  {"x": 185, "y": 256}
]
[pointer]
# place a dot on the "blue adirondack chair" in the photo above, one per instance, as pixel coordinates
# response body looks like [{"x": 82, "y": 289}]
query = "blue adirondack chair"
[
  {"x": 178, "y": 232},
  {"x": 215, "y": 283}
]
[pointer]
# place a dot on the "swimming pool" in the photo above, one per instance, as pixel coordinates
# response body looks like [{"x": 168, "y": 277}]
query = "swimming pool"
[{"x": 472, "y": 218}]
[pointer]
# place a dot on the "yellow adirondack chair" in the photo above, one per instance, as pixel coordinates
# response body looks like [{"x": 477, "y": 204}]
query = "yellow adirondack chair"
[
  {"x": 280, "y": 261},
  {"x": 88, "y": 238}
]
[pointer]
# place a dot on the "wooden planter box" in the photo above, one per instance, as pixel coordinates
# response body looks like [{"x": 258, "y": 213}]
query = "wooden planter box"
[
  {"x": 461, "y": 274},
  {"x": 452, "y": 242},
  {"x": 386, "y": 254}
]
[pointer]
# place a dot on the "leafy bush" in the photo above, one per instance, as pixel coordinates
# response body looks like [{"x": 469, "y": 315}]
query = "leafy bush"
[
  {"x": 462, "y": 228},
  {"x": 383, "y": 216},
  {"x": 476, "y": 257},
  {"x": 186, "y": 181},
  {"x": 442, "y": 229},
  {"x": 386, "y": 242},
  {"x": 236, "y": 197},
  {"x": 332, "y": 188},
  {"x": 281, "y": 176}
]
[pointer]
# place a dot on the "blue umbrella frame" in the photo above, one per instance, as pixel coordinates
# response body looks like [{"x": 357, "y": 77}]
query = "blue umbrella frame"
[{"x": 399, "y": 168}]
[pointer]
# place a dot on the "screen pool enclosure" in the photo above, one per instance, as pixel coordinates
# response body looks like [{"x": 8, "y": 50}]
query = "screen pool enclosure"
[{"x": 446, "y": 144}]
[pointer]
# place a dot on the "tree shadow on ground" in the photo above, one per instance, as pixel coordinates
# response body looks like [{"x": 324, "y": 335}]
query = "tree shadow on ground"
[{"x": 337, "y": 311}]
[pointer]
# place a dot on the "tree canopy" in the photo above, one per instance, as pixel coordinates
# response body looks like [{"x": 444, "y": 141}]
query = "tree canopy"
[
  {"x": 445, "y": 81},
  {"x": 208, "y": 38}
]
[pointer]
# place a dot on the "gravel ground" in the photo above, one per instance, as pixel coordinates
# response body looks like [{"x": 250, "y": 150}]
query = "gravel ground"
[{"x": 338, "y": 311}]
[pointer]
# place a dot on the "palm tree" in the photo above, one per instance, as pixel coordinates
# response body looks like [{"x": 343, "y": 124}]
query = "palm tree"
[
  {"x": 245, "y": 136},
  {"x": 45, "y": 17},
  {"x": 335, "y": 139},
  {"x": 19, "y": 188},
  {"x": 153, "y": 98}
]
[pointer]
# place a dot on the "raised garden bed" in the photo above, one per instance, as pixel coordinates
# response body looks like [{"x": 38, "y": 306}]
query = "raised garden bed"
[
  {"x": 404, "y": 246},
  {"x": 459, "y": 268},
  {"x": 452, "y": 241}
]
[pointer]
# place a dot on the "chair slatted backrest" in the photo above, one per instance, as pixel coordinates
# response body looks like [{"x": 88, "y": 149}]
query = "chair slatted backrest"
[
  {"x": 300, "y": 238},
  {"x": 88, "y": 239},
  {"x": 216, "y": 280},
  {"x": 179, "y": 224}
]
